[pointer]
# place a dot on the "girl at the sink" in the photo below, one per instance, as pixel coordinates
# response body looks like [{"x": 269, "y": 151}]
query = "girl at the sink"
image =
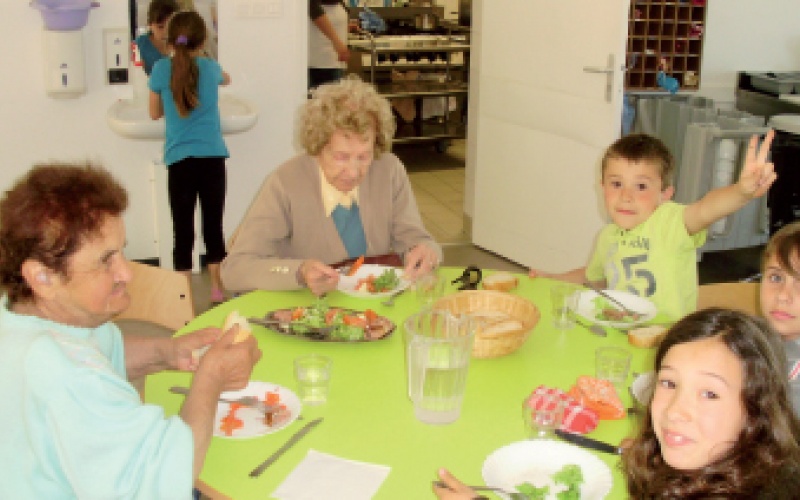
[
  {"x": 185, "y": 90},
  {"x": 153, "y": 44},
  {"x": 719, "y": 424}
]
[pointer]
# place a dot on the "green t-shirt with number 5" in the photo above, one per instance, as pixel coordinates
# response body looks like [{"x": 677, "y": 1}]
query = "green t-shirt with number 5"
[{"x": 657, "y": 259}]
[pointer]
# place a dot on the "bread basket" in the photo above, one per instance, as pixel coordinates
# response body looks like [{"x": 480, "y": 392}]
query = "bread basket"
[{"x": 494, "y": 345}]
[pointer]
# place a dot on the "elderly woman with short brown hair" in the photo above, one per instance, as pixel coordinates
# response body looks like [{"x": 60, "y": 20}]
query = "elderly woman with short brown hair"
[
  {"x": 347, "y": 196},
  {"x": 73, "y": 426}
]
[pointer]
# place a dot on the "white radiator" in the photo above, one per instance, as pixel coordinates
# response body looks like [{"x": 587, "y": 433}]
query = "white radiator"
[{"x": 709, "y": 148}]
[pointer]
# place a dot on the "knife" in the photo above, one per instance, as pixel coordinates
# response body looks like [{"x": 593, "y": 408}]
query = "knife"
[
  {"x": 288, "y": 444},
  {"x": 589, "y": 443}
]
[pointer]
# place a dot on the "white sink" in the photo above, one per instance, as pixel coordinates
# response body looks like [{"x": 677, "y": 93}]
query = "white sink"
[{"x": 131, "y": 119}]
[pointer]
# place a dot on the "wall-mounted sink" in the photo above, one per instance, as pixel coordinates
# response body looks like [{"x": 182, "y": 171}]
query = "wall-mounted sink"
[{"x": 131, "y": 119}]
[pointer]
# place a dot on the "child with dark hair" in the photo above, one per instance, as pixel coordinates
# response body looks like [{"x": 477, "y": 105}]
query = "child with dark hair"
[
  {"x": 719, "y": 423},
  {"x": 153, "y": 44},
  {"x": 185, "y": 90},
  {"x": 780, "y": 297}
]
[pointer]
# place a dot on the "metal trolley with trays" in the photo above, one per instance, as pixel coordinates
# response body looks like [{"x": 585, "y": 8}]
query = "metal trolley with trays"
[{"x": 441, "y": 81}]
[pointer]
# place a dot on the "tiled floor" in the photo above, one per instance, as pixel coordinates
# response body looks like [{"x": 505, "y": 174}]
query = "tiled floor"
[{"x": 438, "y": 183}]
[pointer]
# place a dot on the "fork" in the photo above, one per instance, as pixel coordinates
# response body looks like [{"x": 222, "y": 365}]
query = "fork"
[
  {"x": 248, "y": 401},
  {"x": 390, "y": 301},
  {"x": 616, "y": 302},
  {"x": 510, "y": 494}
]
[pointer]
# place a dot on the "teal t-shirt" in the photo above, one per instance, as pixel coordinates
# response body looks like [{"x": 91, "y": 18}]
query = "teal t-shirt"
[
  {"x": 199, "y": 134},
  {"x": 657, "y": 259},
  {"x": 72, "y": 425}
]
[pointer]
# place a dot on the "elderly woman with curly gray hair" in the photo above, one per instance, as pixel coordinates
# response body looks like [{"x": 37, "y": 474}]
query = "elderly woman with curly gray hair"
[{"x": 345, "y": 197}]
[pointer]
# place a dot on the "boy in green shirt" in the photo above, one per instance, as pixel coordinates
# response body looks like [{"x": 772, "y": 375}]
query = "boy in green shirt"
[{"x": 649, "y": 248}]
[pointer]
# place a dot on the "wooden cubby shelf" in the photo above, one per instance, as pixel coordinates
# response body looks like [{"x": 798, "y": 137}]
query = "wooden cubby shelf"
[{"x": 669, "y": 30}]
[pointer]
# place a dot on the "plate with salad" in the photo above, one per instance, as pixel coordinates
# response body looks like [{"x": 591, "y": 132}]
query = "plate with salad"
[
  {"x": 595, "y": 308},
  {"x": 543, "y": 469},
  {"x": 325, "y": 323},
  {"x": 240, "y": 422},
  {"x": 372, "y": 281}
]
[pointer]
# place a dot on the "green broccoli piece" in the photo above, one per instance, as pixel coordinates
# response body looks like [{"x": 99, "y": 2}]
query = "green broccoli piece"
[{"x": 531, "y": 492}]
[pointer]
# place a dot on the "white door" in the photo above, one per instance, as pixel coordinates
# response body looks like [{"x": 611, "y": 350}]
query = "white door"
[{"x": 539, "y": 123}]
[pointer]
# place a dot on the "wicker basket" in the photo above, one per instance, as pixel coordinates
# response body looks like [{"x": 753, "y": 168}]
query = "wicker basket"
[{"x": 492, "y": 346}]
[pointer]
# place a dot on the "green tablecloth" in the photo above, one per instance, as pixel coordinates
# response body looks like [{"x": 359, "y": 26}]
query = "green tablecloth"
[{"x": 369, "y": 417}]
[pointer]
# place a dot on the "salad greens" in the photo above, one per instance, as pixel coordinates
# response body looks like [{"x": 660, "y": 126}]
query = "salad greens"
[
  {"x": 388, "y": 280},
  {"x": 570, "y": 476},
  {"x": 321, "y": 316}
]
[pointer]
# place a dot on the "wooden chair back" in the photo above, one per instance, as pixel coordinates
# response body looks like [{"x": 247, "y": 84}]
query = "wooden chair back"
[
  {"x": 741, "y": 296},
  {"x": 159, "y": 296}
]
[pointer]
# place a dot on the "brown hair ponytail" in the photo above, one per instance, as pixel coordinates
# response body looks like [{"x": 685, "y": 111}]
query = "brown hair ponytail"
[{"x": 186, "y": 34}]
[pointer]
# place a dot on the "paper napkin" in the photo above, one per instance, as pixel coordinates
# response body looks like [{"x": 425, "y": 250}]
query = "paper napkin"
[{"x": 320, "y": 475}]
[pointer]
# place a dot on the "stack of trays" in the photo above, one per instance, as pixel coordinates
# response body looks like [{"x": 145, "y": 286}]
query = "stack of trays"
[{"x": 776, "y": 83}]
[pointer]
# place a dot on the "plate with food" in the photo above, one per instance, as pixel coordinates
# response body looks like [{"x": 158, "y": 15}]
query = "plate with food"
[
  {"x": 328, "y": 324},
  {"x": 597, "y": 309},
  {"x": 643, "y": 386},
  {"x": 543, "y": 468},
  {"x": 372, "y": 281},
  {"x": 235, "y": 421}
]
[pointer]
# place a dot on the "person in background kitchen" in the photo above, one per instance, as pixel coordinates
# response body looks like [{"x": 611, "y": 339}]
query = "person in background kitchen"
[
  {"x": 780, "y": 297},
  {"x": 153, "y": 44},
  {"x": 347, "y": 196},
  {"x": 327, "y": 41},
  {"x": 719, "y": 423},
  {"x": 649, "y": 248},
  {"x": 73, "y": 426},
  {"x": 185, "y": 90}
]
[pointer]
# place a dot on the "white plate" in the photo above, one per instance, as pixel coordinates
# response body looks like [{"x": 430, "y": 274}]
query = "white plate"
[
  {"x": 347, "y": 284},
  {"x": 584, "y": 306},
  {"x": 253, "y": 419},
  {"x": 642, "y": 387},
  {"x": 525, "y": 461}
]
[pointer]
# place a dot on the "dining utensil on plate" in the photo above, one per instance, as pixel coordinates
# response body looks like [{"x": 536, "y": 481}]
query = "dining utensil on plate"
[
  {"x": 587, "y": 442},
  {"x": 616, "y": 302},
  {"x": 288, "y": 444},
  {"x": 248, "y": 401},
  {"x": 390, "y": 301},
  {"x": 512, "y": 495}
]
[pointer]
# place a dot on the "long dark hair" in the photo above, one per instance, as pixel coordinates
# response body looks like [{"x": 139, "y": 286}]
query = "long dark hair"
[
  {"x": 767, "y": 444},
  {"x": 186, "y": 34}
]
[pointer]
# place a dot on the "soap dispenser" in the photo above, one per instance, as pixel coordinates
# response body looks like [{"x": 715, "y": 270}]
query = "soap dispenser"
[{"x": 64, "y": 73}]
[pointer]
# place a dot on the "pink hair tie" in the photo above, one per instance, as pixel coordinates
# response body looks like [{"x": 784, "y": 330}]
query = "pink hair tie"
[{"x": 181, "y": 40}]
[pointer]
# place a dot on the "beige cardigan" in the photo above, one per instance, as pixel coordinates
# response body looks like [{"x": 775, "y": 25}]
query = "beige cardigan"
[{"x": 286, "y": 224}]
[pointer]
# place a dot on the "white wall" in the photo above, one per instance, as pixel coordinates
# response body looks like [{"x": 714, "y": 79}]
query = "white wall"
[
  {"x": 266, "y": 58},
  {"x": 747, "y": 35}
]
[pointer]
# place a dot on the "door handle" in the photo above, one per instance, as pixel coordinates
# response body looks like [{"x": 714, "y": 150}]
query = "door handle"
[
  {"x": 595, "y": 69},
  {"x": 608, "y": 70}
]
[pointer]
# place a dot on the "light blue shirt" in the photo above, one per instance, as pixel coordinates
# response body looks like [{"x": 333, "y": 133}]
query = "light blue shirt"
[
  {"x": 72, "y": 425},
  {"x": 199, "y": 134}
]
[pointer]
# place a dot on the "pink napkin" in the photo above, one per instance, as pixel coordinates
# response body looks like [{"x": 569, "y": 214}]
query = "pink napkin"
[{"x": 577, "y": 418}]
